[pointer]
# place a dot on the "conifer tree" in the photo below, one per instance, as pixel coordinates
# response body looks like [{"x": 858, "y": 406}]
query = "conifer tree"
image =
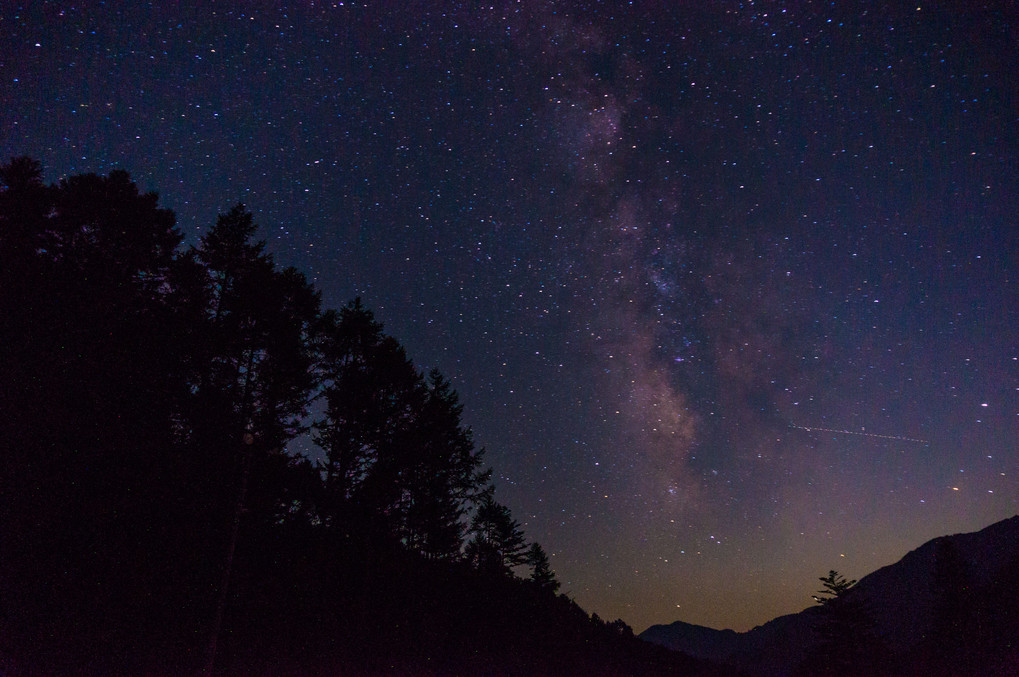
[
  {"x": 92, "y": 398},
  {"x": 396, "y": 450},
  {"x": 255, "y": 384},
  {"x": 848, "y": 641},
  {"x": 497, "y": 542},
  {"x": 446, "y": 475},
  {"x": 541, "y": 571},
  {"x": 372, "y": 393},
  {"x": 835, "y": 587}
]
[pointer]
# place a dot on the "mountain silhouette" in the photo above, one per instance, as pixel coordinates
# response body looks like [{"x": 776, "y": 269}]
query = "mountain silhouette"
[{"x": 951, "y": 606}]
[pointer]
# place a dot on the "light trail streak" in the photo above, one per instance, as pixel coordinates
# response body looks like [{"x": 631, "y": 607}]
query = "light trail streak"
[{"x": 860, "y": 433}]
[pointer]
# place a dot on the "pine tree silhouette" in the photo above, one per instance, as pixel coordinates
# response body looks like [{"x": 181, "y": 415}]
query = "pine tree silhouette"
[
  {"x": 541, "y": 571},
  {"x": 847, "y": 639}
]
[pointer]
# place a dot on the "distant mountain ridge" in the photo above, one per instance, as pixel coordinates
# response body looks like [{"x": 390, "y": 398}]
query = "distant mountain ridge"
[{"x": 902, "y": 601}]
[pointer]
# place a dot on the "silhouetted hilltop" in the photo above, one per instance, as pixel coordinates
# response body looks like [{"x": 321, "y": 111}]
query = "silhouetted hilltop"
[{"x": 950, "y": 602}]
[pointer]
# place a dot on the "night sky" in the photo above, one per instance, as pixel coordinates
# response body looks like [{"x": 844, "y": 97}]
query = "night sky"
[{"x": 729, "y": 289}]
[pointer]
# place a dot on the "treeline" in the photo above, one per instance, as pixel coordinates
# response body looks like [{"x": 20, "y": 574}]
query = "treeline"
[{"x": 152, "y": 518}]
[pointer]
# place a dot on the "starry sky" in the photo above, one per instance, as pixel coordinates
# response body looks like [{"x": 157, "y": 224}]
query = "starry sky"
[{"x": 729, "y": 289}]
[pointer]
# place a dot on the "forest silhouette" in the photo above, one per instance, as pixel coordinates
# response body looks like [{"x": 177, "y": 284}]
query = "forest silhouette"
[{"x": 154, "y": 519}]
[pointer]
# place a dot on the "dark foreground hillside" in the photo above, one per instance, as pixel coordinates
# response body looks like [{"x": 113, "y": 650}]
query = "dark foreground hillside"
[
  {"x": 307, "y": 607},
  {"x": 392, "y": 613}
]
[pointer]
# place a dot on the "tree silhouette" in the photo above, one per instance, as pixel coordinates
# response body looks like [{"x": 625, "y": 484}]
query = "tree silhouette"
[
  {"x": 372, "y": 393},
  {"x": 541, "y": 572},
  {"x": 396, "y": 450},
  {"x": 92, "y": 401},
  {"x": 25, "y": 208},
  {"x": 497, "y": 542},
  {"x": 446, "y": 475},
  {"x": 259, "y": 361},
  {"x": 835, "y": 587},
  {"x": 847, "y": 639},
  {"x": 257, "y": 375}
]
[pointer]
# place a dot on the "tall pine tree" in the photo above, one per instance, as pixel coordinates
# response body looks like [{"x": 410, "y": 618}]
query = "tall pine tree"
[
  {"x": 255, "y": 384},
  {"x": 497, "y": 542},
  {"x": 445, "y": 477},
  {"x": 372, "y": 394}
]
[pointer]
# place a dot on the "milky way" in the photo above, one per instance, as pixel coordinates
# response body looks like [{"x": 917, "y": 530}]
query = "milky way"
[{"x": 729, "y": 293}]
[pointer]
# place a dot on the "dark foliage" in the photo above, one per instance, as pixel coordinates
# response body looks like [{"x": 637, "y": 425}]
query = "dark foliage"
[
  {"x": 151, "y": 518},
  {"x": 394, "y": 443},
  {"x": 497, "y": 543},
  {"x": 848, "y": 643},
  {"x": 541, "y": 571},
  {"x": 92, "y": 394}
]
